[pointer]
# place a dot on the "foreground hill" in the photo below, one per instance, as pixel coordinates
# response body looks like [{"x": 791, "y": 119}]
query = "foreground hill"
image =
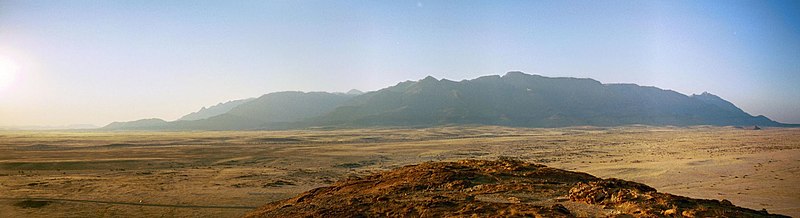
[
  {"x": 514, "y": 99},
  {"x": 493, "y": 189}
]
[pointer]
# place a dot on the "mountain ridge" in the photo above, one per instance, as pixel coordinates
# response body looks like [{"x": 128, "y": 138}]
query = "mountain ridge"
[
  {"x": 218, "y": 109},
  {"x": 513, "y": 99}
]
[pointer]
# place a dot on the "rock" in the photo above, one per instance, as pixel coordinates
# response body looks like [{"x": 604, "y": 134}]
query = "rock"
[{"x": 670, "y": 212}]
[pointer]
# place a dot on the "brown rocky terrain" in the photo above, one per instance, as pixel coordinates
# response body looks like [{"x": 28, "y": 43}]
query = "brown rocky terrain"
[{"x": 489, "y": 188}]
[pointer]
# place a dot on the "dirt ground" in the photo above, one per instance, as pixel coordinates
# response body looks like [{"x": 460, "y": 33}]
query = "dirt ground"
[{"x": 229, "y": 173}]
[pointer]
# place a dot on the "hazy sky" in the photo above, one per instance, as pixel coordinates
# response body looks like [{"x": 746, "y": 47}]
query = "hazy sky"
[{"x": 100, "y": 61}]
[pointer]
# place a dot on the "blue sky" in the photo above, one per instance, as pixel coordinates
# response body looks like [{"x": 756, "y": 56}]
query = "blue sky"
[{"x": 101, "y": 61}]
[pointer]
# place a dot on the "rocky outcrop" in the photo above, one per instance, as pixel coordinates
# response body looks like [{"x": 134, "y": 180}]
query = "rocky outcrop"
[{"x": 493, "y": 189}]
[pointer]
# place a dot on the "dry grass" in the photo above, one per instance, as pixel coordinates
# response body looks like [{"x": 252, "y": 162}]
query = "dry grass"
[{"x": 172, "y": 172}]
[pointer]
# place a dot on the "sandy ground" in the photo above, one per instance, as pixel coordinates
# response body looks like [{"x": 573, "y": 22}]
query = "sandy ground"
[{"x": 226, "y": 174}]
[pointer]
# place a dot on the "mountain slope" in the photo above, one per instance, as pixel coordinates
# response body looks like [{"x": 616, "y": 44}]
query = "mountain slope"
[
  {"x": 289, "y": 106},
  {"x": 215, "y": 110},
  {"x": 518, "y": 99},
  {"x": 279, "y": 110},
  {"x": 717, "y": 101},
  {"x": 143, "y": 124}
]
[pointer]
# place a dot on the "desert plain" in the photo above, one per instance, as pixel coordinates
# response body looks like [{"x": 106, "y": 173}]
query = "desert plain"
[{"x": 229, "y": 173}]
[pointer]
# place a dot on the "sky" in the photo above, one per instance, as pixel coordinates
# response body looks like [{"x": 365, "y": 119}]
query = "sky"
[{"x": 93, "y": 62}]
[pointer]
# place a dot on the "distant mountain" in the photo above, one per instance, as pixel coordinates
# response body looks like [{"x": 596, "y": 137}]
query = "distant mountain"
[
  {"x": 143, "y": 124},
  {"x": 270, "y": 111},
  {"x": 354, "y": 92},
  {"x": 514, "y": 99},
  {"x": 289, "y": 106},
  {"x": 215, "y": 110},
  {"x": 518, "y": 99}
]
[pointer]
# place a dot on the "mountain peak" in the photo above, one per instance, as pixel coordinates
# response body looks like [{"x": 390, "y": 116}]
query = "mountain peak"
[
  {"x": 429, "y": 79},
  {"x": 707, "y": 94},
  {"x": 717, "y": 101},
  {"x": 516, "y": 73},
  {"x": 354, "y": 92}
]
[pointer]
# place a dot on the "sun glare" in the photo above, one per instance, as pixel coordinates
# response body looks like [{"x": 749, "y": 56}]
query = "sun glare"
[{"x": 8, "y": 71}]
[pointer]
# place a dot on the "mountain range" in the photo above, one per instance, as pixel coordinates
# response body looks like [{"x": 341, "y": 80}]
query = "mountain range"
[{"x": 514, "y": 99}]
